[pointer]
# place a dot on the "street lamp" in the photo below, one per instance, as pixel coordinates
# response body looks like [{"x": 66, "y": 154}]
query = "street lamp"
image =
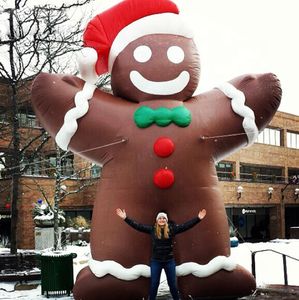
[
  {"x": 239, "y": 191},
  {"x": 270, "y": 192}
]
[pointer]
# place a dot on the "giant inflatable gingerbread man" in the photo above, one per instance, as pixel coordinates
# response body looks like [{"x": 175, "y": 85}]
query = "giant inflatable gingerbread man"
[{"x": 155, "y": 142}]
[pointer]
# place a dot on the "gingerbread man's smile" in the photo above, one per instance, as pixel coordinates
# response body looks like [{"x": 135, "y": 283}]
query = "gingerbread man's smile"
[
  {"x": 175, "y": 55},
  {"x": 169, "y": 87},
  {"x": 156, "y": 66}
]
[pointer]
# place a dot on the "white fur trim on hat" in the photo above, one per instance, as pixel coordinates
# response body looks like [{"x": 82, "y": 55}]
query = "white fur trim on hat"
[
  {"x": 162, "y": 214},
  {"x": 165, "y": 23}
]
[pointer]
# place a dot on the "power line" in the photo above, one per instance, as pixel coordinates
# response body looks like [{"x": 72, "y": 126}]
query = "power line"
[{"x": 123, "y": 140}]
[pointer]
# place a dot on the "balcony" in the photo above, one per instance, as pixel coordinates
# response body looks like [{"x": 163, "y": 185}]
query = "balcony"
[{"x": 251, "y": 177}]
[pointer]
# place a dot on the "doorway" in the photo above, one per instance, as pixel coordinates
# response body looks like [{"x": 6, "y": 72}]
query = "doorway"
[
  {"x": 291, "y": 218},
  {"x": 251, "y": 223}
]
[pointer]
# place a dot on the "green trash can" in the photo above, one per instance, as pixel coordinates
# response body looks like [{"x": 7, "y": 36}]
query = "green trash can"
[{"x": 57, "y": 274}]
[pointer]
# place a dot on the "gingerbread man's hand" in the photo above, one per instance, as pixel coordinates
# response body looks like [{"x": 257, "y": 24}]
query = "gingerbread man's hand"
[
  {"x": 77, "y": 114},
  {"x": 233, "y": 114}
]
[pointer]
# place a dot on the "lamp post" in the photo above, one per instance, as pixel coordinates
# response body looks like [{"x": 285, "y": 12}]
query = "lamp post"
[
  {"x": 239, "y": 191},
  {"x": 270, "y": 192}
]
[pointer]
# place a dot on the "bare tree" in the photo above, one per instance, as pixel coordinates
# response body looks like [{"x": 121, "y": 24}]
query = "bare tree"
[
  {"x": 32, "y": 39},
  {"x": 62, "y": 174}
]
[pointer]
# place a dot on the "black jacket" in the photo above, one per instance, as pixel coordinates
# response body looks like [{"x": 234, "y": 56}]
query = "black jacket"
[{"x": 162, "y": 249}]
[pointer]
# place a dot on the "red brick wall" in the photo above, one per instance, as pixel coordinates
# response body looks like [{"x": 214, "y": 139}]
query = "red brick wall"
[{"x": 29, "y": 194}]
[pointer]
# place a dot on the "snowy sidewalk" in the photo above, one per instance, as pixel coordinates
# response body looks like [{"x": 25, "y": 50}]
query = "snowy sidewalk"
[{"x": 269, "y": 270}]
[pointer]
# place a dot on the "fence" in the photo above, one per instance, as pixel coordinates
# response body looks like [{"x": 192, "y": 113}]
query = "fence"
[{"x": 284, "y": 260}]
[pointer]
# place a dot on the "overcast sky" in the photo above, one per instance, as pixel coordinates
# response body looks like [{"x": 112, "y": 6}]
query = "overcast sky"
[{"x": 235, "y": 37}]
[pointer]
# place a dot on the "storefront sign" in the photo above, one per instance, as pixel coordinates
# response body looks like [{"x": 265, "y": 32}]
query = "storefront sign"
[
  {"x": 248, "y": 211},
  {"x": 5, "y": 217}
]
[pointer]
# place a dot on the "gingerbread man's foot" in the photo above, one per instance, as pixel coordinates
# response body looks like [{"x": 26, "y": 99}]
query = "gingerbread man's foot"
[
  {"x": 90, "y": 287},
  {"x": 221, "y": 285}
]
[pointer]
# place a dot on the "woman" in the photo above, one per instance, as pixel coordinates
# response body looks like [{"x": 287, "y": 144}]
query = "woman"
[{"x": 162, "y": 234}]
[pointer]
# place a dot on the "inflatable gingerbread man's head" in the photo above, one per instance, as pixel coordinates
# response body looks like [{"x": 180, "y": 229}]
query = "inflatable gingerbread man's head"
[{"x": 149, "y": 51}]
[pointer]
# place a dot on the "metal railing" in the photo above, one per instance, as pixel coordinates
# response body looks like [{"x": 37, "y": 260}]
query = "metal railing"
[
  {"x": 250, "y": 177},
  {"x": 256, "y": 177},
  {"x": 284, "y": 260}
]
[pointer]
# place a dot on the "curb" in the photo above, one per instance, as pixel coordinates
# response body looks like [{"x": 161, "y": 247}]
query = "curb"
[{"x": 279, "y": 289}]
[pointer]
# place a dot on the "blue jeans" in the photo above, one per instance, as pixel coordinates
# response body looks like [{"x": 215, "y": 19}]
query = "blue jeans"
[{"x": 156, "y": 269}]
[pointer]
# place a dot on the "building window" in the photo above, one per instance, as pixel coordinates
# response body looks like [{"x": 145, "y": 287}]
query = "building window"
[
  {"x": 293, "y": 140},
  {"x": 3, "y": 117},
  {"x": 261, "y": 173},
  {"x": 27, "y": 117},
  {"x": 6, "y": 168},
  {"x": 5, "y": 224},
  {"x": 78, "y": 218},
  {"x": 87, "y": 214},
  {"x": 270, "y": 136},
  {"x": 38, "y": 166},
  {"x": 67, "y": 164},
  {"x": 27, "y": 120},
  {"x": 225, "y": 170},
  {"x": 31, "y": 166},
  {"x": 95, "y": 171},
  {"x": 2, "y": 164}
]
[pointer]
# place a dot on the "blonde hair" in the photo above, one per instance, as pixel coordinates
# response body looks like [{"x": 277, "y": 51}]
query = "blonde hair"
[{"x": 158, "y": 231}]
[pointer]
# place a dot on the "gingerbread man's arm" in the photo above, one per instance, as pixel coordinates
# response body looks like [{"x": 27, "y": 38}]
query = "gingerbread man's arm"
[
  {"x": 233, "y": 114},
  {"x": 78, "y": 124}
]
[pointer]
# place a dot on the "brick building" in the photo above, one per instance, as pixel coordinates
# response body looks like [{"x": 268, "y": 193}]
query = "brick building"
[
  {"x": 260, "y": 183},
  {"x": 37, "y": 181},
  {"x": 260, "y": 200}
]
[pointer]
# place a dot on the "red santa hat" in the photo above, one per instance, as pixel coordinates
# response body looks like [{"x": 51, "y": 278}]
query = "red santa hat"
[{"x": 112, "y": 30}]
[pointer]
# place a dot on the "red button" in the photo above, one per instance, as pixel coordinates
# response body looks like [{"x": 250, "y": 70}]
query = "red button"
[
  {"x": 163, "y": 147},
  {"x": 164, "y": 178}
]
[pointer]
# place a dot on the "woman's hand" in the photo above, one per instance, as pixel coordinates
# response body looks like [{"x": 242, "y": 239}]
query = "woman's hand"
[
  {"x": 202, "y": 213},
  {"x": 121, "y": 213}
]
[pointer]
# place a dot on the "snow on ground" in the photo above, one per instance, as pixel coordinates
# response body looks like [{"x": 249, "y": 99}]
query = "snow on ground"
[{"x": 269, "y": 267}]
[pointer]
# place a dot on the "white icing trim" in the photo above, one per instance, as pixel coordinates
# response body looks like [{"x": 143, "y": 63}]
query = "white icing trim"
[
  {"x": 170, "y": 87},
  {"x": 70, "y": 124},
  {"x": 86, "y": 60},
  {"x": 239, "y": 107},
  {"x": 213, "y": 266},
  {"x": 102, "y": 268},
  {"x": 165, "y": 23}
]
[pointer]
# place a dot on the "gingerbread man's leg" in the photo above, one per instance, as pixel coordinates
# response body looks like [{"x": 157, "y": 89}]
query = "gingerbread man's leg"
[
  {"x": 90, "y": 287},
  {"x": 222, "y": 284},
  {"x": 119, "y": 264},
  {"x": 204, "y": 265}
]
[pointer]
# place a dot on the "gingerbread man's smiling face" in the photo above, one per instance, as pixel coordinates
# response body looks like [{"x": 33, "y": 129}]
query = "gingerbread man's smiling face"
[{"x": 156, "y": 66}]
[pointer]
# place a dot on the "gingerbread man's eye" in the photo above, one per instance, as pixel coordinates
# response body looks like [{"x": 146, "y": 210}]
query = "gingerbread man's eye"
[
  {"x": 142, "y": 54},
  {"x": 175, "y": 54}
]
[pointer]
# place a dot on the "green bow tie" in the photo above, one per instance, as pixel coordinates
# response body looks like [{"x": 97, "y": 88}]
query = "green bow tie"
[{"x": 162, "y": 116}]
